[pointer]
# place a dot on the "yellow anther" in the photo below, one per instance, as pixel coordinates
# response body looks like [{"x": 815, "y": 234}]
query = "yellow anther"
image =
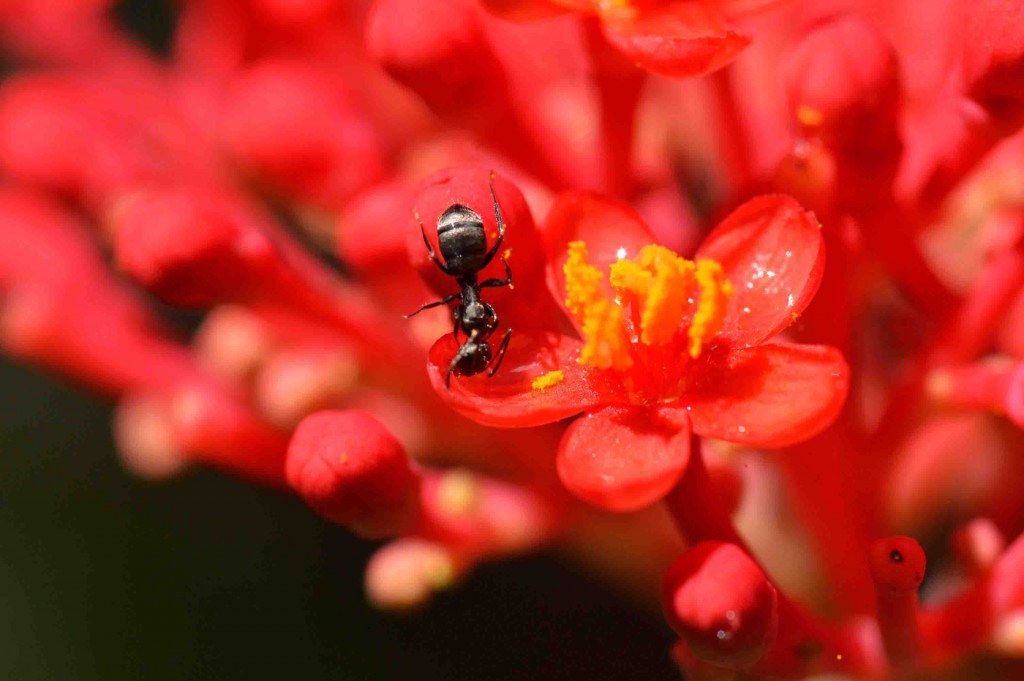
[
  {"x": 547, "y": 380},
  {"x": 659, "y": 286},
  {"x": 711, "y": 309},
  {"x": 659, "y": 281},
  {"x": 606, "y": 345},
  {"x": 630, "y": 278},
  {"x": 582, "y": 281}
]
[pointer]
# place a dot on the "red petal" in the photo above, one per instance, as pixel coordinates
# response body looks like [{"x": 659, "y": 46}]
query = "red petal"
[
  {"x": 523, "y": 10},
  {"x": 611, "y": 230},
  {"x": 769, "y": 395},
  {"x": 774, "y": 255},
  {"x": 682, "y": 40},
  {"x": 507, "y": 399},
  {"x": 625, "y": 458}
]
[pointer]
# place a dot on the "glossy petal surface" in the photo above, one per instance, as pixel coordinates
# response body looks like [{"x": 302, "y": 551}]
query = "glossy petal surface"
[
  {"x": 769, "y": 395},
  {"x": 625, "y": 458},
  {"x": 773, "y": 252},
  {"x": 682, "y": 40},
  {"x": 611, "y": 229},
  {"x": 508, "y": 399}
]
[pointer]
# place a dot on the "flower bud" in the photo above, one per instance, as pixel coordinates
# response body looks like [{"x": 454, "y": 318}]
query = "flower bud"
[
  {"x": 296, "y": 130},
  {"x": 404, "y": 574},
  {"x": 977, "y": 546},
  {"x": 190, "y": 248},
  {"x": 841, "y": 72},
  {"x": 438, "y": 49},
  {"x": 351, "y": 470},
  {"x": 994, "y": 59},
  {"x": 296, "y": 382},
  {"x": 721, "y": 604}
]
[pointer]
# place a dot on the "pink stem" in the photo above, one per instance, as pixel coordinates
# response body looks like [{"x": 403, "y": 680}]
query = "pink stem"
[
  {"x": 618, "y": 84},
  {"x": 734, "y": 142}
]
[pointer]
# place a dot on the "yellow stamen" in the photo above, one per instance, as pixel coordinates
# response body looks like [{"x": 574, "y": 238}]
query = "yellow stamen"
[
  {"x": 714, "y": 297},
  {"x": 547, "y": 380},
  {"x": 659, "y": 281},
  {"x": 606, "y": 344},
  {"x": 582, "y": 280},
  {"x": 659, "y": 286}
]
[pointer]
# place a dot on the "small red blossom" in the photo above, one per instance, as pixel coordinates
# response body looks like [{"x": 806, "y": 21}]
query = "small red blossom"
[
  {"x": 353, "y": 471},
  {"x": 722, "y": 604},
  {"x": 663, "y": 347},
  {"x": 681, "y": 38}
]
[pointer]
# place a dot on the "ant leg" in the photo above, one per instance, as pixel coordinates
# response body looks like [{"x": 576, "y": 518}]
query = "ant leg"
[
  {"x": 426, "y": 242},
  {"x": 501, "y": 352},
  {"x": 501, "y": 226},
  {"x": 457, "y": 315},
  {"x": 443, "y": 301},
  {"x": 468, "y": 348},
  {"x": 492, "y": 283}
]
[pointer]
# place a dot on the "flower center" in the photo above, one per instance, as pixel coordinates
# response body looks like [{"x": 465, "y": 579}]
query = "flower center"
[{"x": 671, "y": 303}]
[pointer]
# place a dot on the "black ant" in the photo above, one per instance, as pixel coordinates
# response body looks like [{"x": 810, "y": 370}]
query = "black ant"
[{"x": 463, "y": 244}]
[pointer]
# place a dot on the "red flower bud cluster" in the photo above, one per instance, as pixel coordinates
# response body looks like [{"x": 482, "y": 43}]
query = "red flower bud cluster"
[{"x": 478, "y": 276}]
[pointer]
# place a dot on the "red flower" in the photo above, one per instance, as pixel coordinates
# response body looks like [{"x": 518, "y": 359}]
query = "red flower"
[
  {"x": 664, "y": 346},
  {"x": 683, "y": 38}
]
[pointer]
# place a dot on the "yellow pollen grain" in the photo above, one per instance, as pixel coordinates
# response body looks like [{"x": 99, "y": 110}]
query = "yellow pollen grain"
[
  {"x": 809, "y": 116},
  {"x": 343, "y": 459},
  {"x": 547, "y": 380},
  {"x": 714, "y": 296},
  {"x": 605, "y": 342}
]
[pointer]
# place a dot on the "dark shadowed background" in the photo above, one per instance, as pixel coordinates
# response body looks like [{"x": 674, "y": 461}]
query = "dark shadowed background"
[{"x": 106, "y": 577}]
